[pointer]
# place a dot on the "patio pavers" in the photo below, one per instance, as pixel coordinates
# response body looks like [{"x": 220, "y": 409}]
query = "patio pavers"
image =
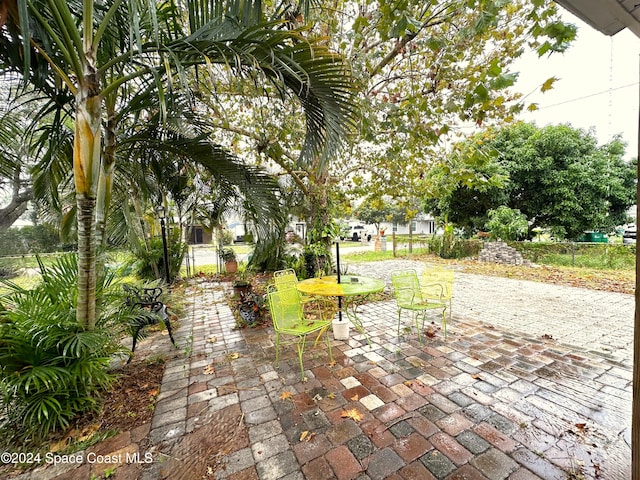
[
  {"x": 490, "y": 402},
  {"x": 486, "y": 403}
]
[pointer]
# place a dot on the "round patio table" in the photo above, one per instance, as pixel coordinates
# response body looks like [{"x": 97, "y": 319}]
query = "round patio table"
[{"x": 353, "y": 288}]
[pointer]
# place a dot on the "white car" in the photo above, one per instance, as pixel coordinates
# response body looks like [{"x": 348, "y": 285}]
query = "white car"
[{"x": 629, "y": 235}]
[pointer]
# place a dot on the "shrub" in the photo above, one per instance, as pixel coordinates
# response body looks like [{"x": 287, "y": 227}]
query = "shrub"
[
  {"x": 454, "y": 247},
  {"x": 506, "y": 223},
  {"x": 149, "y": 258},
  {"x": 51, "y": 369},
  {"x": 30, "y": 239}
]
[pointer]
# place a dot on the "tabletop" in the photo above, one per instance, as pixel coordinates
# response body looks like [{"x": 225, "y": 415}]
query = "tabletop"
[{"x": 350, "y": 285}]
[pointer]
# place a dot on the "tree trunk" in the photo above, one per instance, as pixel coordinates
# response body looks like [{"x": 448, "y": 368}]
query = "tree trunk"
[
  {"x": 13, "y": 211},
  {"x": 106, "y": 178},
  {"x": 320, "y": 219},
  {"x": 18, "y": 204},
  {"x": 86, "y": 171}
]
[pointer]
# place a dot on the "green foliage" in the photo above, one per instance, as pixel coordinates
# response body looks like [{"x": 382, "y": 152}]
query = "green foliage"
[
  {"x": 8, "y": 269},
  {"x": 449, "y": 246},
  {"x": 507, "y": 224},
  {"x": 227, "y": 254},
  {"x": 274, "y": 252},
  {"x": 148, "y": 261},
  {"x": 316, "y": 259},
  {"x": 556, "y": 176},
  {"x": 51, "y": 369},
  {"x": 426, "y": 66},
  {"x": 30, "y": 239},
  {"x": 596, "y": 256}
]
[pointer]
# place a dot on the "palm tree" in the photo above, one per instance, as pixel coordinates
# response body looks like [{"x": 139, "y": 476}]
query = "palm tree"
[{"x": 104, "y": 54}]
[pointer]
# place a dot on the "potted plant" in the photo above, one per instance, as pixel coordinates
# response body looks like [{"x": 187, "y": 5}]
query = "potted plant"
[
  {"x": 228, "y": 256},
  {"x": 242, "y": 285}
]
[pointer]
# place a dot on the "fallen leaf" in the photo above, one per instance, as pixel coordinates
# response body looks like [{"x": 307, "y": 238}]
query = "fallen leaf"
[
  {"x": 475, "y": 375},
  {"x": 353, "y": 414},
  {"x": 286, "y": 396},
  {"x": 355, "y": 398},
  {"x": 331, "y": 396},
  {"x": 431, "y": 332},
  {"x": 212, "y": 339},
  {"x": 209, "y": 369},
  {"x": 303, "y": 435},
  {"x": 408, "y": 383}
]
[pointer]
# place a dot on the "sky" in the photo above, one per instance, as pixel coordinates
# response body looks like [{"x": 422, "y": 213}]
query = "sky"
[{"x": 597, "y": 84}]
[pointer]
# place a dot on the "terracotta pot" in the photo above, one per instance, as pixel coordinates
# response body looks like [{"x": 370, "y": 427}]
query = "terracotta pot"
[{"x": 231, "y": 266}]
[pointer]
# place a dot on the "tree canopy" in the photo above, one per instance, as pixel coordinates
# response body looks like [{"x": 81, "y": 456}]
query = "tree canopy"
[{"x": 557, "y": 176}]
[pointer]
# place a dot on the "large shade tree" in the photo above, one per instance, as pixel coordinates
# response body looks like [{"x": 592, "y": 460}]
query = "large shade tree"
[
  {"x": 428, "y": 70},
  {"x": 557, "y": 176},
  {"x": 103, "y": 52}
]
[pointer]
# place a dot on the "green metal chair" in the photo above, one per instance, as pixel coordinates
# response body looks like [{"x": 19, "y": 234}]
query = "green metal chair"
[
  {"x": 323, "y": 306},
  {"x": 437, "y": 286},
  {"x": 288, "y": 319},
  {"x": 285, "y": 276},
  {"x": 409, "y": 296}
]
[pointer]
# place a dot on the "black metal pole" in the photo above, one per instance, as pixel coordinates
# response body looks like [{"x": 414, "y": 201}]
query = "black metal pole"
[{"x": 165, "y": 252}]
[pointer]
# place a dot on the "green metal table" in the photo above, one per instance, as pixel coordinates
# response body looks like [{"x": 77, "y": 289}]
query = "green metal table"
[{"x": 353, "y": 288}]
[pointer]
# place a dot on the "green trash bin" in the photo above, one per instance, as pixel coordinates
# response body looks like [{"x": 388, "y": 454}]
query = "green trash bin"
[{"x": 597, "y": 237}]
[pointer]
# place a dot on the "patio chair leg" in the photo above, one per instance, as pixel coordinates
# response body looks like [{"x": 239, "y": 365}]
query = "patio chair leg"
[
  {"x": 444, "y": 321},
  {"x": 301, "y": 344},
  {"x": 326, "y": 336},
  {"x": 277, "y": 348},
  {"x": 418, "y": 326}
]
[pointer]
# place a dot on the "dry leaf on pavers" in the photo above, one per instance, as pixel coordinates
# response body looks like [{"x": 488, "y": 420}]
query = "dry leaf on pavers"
[
  {"x": 286, "y": 396},
  {"x": 232, "y": 356},
  {"x": 331, "y": 396},
  {"x": 596, "y": 469},
  {"x": 408, "y": 383},
  {"x": 353, "y": 414},
  {"x": 475, "y": 376},
  {"x": 209, "y": 370},
  {"x": 212, "y": 339},
  {"x": 431, "y": 332},
  {"x": 355, "y": 398},
  {"x": 306, "y": 436}
]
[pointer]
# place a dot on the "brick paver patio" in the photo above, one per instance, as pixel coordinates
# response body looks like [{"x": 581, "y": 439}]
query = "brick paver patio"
[{"x": 493, "y": 401}]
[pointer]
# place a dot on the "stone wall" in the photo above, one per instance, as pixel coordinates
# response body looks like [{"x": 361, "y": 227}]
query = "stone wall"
[{"x": 500, "y": 252}]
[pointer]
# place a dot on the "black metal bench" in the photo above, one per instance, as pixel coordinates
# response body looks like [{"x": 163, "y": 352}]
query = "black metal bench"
[{"x": 147, "y": 299}]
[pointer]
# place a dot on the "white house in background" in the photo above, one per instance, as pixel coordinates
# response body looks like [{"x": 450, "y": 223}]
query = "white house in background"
[{"x": 421, "y": 225}]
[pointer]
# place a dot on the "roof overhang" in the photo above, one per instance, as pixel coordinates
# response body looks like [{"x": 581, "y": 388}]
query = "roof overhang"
[{"x": 606, "y": 16}]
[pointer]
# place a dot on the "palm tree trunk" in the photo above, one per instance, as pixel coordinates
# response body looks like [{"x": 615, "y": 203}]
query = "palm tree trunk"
[
  {"x": 86, "y": 171},
  {"x": 106, "y": 179}
]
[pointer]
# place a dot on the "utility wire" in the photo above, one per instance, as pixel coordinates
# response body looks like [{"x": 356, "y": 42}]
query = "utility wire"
[{"x": 589, "y": 96}]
